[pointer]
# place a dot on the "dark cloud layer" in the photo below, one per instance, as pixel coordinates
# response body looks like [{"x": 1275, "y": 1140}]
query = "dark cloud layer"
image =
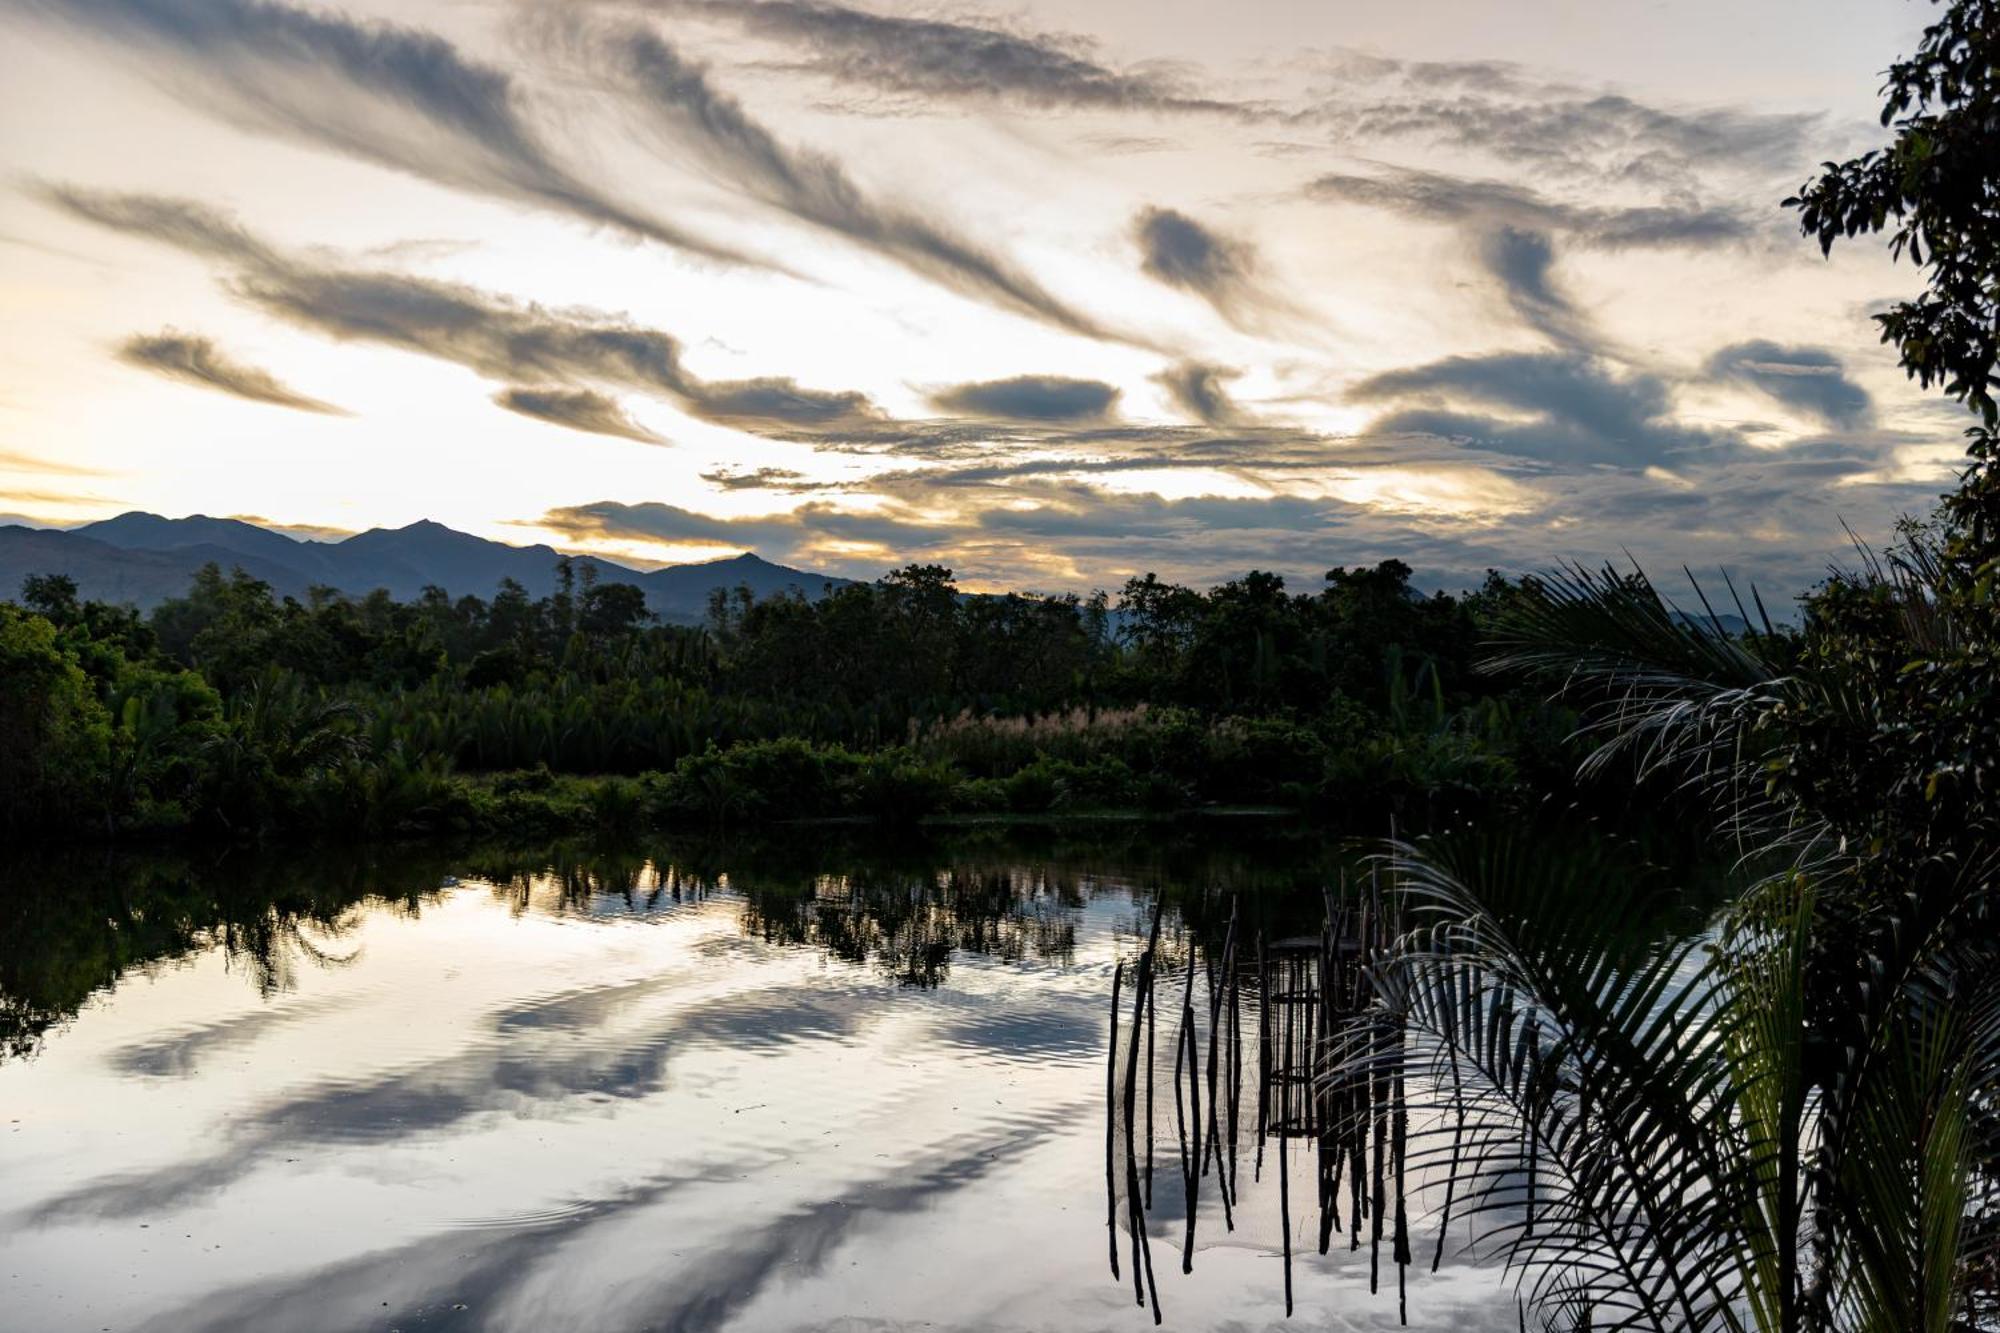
[
  {"x": 1807, "y": 379},
  {"x": 196, "y": 360},
  {"x": 1053, "y": 512},
  {"x": 578, "y": 409},
  {"x": 955, "y": 59},
  {"x": 1031, "y": 398},
  {"x": 1575, "y": 409},
  {"x": 1063, "y": 514},
  {"x": 392, "y": 95}
]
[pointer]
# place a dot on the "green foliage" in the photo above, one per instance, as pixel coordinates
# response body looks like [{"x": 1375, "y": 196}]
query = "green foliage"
[
  {"x": 1931, "y": 190},
  {"x": 237, "y": 713},
  {"x": 54, "y": 733}
]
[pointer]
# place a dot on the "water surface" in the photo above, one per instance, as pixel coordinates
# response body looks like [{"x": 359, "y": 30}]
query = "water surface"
[{"x": 759, "y": 1086}]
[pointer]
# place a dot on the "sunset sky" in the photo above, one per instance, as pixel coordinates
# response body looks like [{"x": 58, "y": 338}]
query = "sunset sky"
[{"x": 1051, "y": 293}]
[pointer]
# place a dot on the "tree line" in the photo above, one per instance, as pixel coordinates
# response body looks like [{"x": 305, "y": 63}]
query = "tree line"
[{"x": 231, "y": 711}]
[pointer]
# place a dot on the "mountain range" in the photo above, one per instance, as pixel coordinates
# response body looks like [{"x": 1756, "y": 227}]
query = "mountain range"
[{"x": 144, "y": 559}]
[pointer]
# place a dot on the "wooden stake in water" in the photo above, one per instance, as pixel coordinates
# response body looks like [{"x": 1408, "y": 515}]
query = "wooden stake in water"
[
  {"x": 1194, "y": 1110},
  {"x": 1152, "y": 1012},
  {"x": 1111, "y": 1121},
  {"x": 1263, "y": 1055},
  {"x": 1285, "y": 1213},
  {"x": 1142, "y": 1250}
]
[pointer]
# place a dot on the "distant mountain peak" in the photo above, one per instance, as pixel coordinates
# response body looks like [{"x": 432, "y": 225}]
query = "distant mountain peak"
[
  {"x": 145, "y": 558},
  {"x": 138, "y": 529}
]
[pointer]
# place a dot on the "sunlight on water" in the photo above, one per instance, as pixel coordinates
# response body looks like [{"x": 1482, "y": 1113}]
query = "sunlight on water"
[{"x": 647, "y": 1098}]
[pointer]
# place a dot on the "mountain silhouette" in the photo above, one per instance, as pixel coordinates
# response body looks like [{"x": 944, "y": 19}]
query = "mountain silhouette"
[{"x": 144, "y": 559}]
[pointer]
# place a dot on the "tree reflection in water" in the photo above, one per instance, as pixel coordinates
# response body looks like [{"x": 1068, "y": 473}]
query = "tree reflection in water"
[
  {"x": 72, "y": 924},
  {"x": 910, "y": 925}
]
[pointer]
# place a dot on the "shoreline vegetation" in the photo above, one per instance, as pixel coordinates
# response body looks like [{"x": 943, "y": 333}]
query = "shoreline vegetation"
[{"x": 233, "y": 714}]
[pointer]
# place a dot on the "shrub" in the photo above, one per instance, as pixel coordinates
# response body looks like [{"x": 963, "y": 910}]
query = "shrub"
[{"x": 897, "y": 786}]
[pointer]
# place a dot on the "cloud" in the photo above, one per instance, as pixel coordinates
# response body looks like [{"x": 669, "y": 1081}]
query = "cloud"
[
  {"x": 1578, "y": 411},
  {"x": 1492, "y": 204},
  {"x": 1054, "y": 509},
  {"x": 1513, "y": 232},
  {"x": 812, "y": 186},
  {"x": 1031, "y": 489},
  {"x": 1198, "y": 390},
  {"x": 1807, "y": 379},
  {"x": 1027, "y": 521},
  {"x": 782, "y": 536},
  {"x": 491, "y": 334},
  {"x": 957, "y": 60},
  {"x": 1183, "y": 253},
  {"x": 196, "y": 360},
  {"x": 1128, "y": 145},
  {"x": 759, "y": 479},
  {"x": 577, "y": 409},
  {"x": 181, "y": 223},
  {"x": 1031, "y": 398},
  {"x": 383, "y": 93},
  {"x": 1523, "y": 262},
  {"x": 1065, "y": 532},
  {"x": 11, "y": 461},
  {"x": 1507, "y": 112},
  {"x": 777, "y": 403},
  {"x": 505, "y": 340},
  {"x": 310, "y": 532}
]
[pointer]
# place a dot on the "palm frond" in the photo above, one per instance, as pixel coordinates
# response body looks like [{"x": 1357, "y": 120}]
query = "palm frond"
[{"x": 1569, "y": 1055}]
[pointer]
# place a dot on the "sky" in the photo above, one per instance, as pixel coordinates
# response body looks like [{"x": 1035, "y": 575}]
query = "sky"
[{"x": 1053, "y": 294}]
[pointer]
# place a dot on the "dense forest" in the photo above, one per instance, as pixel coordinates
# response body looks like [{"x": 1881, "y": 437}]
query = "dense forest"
[{"x": 232, "y": 712}]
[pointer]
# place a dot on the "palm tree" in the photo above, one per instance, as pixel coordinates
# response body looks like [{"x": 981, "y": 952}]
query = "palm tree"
[{"x": 1785, "y": 1119}]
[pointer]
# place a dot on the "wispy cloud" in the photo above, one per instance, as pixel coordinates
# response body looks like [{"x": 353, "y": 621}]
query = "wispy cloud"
[
  {"x": 781, "y": 536},
  {"x": 396, "y": 96},
  {"x": 760, "y": 479},
  {"x": 958, "y": 60},
  {"x": 509, "y": 341},
  {"x": 13, "y": 461},
  {"x": 1222, "y": 270},
  {"x": 1488, "y": 204},
  {"x": 1524, "y": 262},
  {"x": 1513, "y": 114},
  {"x": 181, "y": 223},
  {"x": 1199, "y": 391},
  {"x": 196, "y": 360},
  {"x": 576, "y": 409},
  {"x": 678, "y": 97}
]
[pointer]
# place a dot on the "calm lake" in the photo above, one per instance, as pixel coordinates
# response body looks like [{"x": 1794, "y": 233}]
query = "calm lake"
[{"x": 807, "y": 1083}]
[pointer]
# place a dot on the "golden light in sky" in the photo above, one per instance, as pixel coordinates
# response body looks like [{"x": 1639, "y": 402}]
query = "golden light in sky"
[{"x": 1050, "y": 294}]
